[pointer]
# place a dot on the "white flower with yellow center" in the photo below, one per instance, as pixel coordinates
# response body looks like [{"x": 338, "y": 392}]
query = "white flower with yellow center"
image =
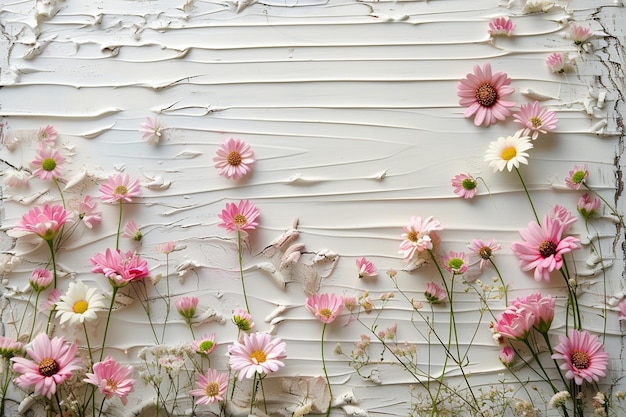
[
  {"x": 79, "y": 304},
  {"x": 508, "y": 152}
]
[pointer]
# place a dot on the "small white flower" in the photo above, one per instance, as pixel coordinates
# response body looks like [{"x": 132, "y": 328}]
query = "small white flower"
[
  {"x": 508, "y": 152},
  {"x": 558, "y": 399}
]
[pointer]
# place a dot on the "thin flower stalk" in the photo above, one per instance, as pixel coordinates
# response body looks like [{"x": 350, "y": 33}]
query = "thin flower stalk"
[
  {"x": 530, "y": 200},
  {"x": 240, "y": 256}
]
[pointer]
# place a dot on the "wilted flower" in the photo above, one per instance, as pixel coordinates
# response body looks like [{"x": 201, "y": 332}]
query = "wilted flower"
[
  {"x": 131, "y": 231},
  {"x": 15, "y": 178},
  {"x": 166, "y": 248},
  {"x": 88, "y": 211}
]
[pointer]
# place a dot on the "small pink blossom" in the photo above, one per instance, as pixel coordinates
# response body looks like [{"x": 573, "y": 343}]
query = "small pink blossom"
[
  {"x": 240, "y": 217},
  {"x": 152, "y": 130},
  {"x": 563, "y": 215},
  {"x": 119, "y": 267},
  {"x": 515, "y": 323},
  {"x": 112, "y": 379},
  {"x": 326, "y": 307},
  {"x": 119, "y": 187},
  {"x": 580, "y": 34},
  {"x": 484, "y": 250},
  {"x": 47, "y": 136},
  {"x": 10, "y": 347},
  {"x": 44, "y": 222},
  {"x": 501, "y": 26},
  {"x": 577, "y": 177},
  {"x": 541, "y": 307},
  {"x": 166, "y": 248},
  {"x": 588, "y": 206},
  {"x": 234, "y": 158},
  {"x": 257, "y": 353},
  {"x": 40, "y": 279},
  {"x": 507, "y": 355},
  {"x": 583, "y": 356},
  {"x": 186, "y": 306},
  {"x": 418, "y": 236},
  {"x": 48, "y": 163},
  {"x": 557, "y": 62},
  {"x": 131, "y": 231},
  {"x": 350, "y": 303},
  {"x": 435, "y": 293},
  {"x": 88, "y": 211},
  {"x": 366, "y": 268},
  {"x": 536, "y": 119},
  {"x": 455, "y": 262},
  {"x": 205, "y": 345},
  {"x": 50, "y": 303},
  {"x": 211, "y": 387},
  {"x": 243, "y": 319},
  {"x": 464, "y": 185}
]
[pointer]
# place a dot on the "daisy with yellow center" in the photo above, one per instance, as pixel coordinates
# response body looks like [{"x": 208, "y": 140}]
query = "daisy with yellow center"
[
  {"x": 508, "y": 152},
  {"x": 79, "y": 304},
  {"x": 211, "y": 387},
  {"x": 256, "y": 355}
]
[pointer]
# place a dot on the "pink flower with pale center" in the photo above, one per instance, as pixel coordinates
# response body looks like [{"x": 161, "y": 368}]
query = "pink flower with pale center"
[
  {"x": 44, "y": 222},
  {"x": 484, "y": 250},
  {"x": 88, "y": 211},
  {"x": 112, "y": 379},
  {"x": 483, "y": 94},
  {"x": 119, "y": 187},
  {"x": 515, "y": 323},
  {"x": 501, "y": 26},
  {"x": 366, "y": 268},
  {"x": 186, "y": 306},
  {"x": 464, "y": 185},
  {"x": 580, "y": 34},
  {"x": 211, "y": 387},
  {"x": 588, "y": 206},
  {"x": 48, "y": 163},
  {"x": 51, "y": 363},
  {"x": 40, "y": 279},
  {"x": 166, "y": 248},
  {"x": 536, "y": 119},
  {"x": 152, "y": 130},
  {"x": 583, "y": 355},
  {"x": 507, "y": 355},
  {"x": 257, "y": 353},
  {"x": 239, "y": 217},
  {"x": 577, "y": 177},
  {"x": 119, "y": 267},
  {"x": 234, "y": 158},
  {"x": 205, "y": 345},
  {"x": 455, "y": 262},
  {"x": 417, "y": 236},
  {"x": 543, "y": 247},
  {"x": 46, "y": 136},
  {"x": 326, "y": 307},
  {"x": 556, "y": 62},
  {"x": 131, "y": 231},
  {"x": 435, "y": 293}
]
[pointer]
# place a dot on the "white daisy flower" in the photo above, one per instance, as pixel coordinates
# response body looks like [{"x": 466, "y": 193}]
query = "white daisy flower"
[
  {"x": 508, "y": 152},
  {"x": 79, "y": 304}
]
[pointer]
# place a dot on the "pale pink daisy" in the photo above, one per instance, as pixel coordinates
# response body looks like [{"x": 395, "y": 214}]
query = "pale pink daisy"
[
  {"x": 239, "y": 217},
  {"x": 88, "y": 211},
  {"x": 131, "y": 231},
  {"x": 455, "y": 262},
  {"x": 556, "y": 62},
  {"x": 577, "y": 177},
  {"x": 543, "y": 247},
  {"x": 46, "y": 136},
  {"x": 483, "y": 94},
  {"x": 234, "y": 158},
  {"x": 112, "y": 379},
  {"x": 588, "y": 206},
  {"x": 501, "y": 26},
  {"x": 536, "y": 119},
  {"x": 417, "y": 236},
  {"x": 464, "y": 185},
  {"x": 366, "y": 268},
  {"x": 48, "y": 163},
  {"x": 119, "y": 187},
  {"x": 79, "y": 304},
  {"x": 580, "y": 34},
  {"x": 51, "y": 363},
  {"x": 622, "y": 309},
  {"x": 484, "y": 250},
  {"x": 257, "y": 353},
  {"x": 166, "y": 248},
  {"x": 10, "y": 347},
  {"x": 508, "y": 152},
  {"x": 326, "y": 307},
  {"x": 205, "y": 345},
  {"x": 44, "y": 222},
  {"x": 507, "y": 355},
  {"x": 583, "y": 355},
  {"x": 242, "y": 319},
  {"x": 435, "y": 293},
  {"x": 186, "y": 306},
  {"x": 119, "y": 267},
  {"x": 211, "y": 387},
  {"x": 563, "y": 215},
  {"x": 40, "y": 279},
  {"x": 151, "y": 130}
]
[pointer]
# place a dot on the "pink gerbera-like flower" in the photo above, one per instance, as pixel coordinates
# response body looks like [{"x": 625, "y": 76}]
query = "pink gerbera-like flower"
[
  {"x": 88, "y": 211},
  {"x": 240, "y": 217},
  {"x": 152, "y": 130},
  {"x": 583, "y": 355},
  {"x": 211, "y": 387},
  {"x": 483, "y": 94},
  {"x": 455, "y": 262},
  {"x": 112, "y": 379},
  {"x": 131, "y": 231},
  {"x": 44, "y": 222},
  {"x": 434, "y": 293},
  {"x": 577, "y": 177},
  {"x": 53, "y": 361},
  {"x": 536, "y": 119},
  {"x": 205, "y": 345},
  {"x": 234, "y": 158},
  {"x": 119, "y": 267},
  {"x": 541, "y": 307},
  {"x": 501, "y": 26},
  {"x": 257, "y": 353},
  {"x": 48, "y": 163},
  {"x": 543, "y": 247},
  {"x": 464, "y": 185},
  {"x": 326, "y": 307},
  {"x": 119, "y": 187},
  {"x": 417, "y": 236},
  {"x": 46, "y": 136},
  {"x": 580, "y": 34},
  {"x": 366, "y": 268},
  {"x": 556, "y": 62},
  {"x": 588, "y": 206},
  {"x": 484, "y": 250}
]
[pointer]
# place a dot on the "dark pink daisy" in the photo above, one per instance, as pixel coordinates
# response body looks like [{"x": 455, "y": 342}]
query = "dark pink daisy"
[
  {"x": 119, "y": 267},
  {"x": 44, "y": 222},
  {"x": 583, "y": 356},
  {"x": 240, "y": 217}
]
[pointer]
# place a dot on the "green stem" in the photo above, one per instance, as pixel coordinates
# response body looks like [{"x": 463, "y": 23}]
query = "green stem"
[
  {"x": 167, "y": 299},
  {"x": 54, "y": 262},
  {"x": 506, "y": 296},
  {"x": 528, "y": 195},
  {"x": 254, "y": 389},
  {"x": 56, "y": 183},
  {"x": 32, "y": 328},
  {"x": 330, "y": 392},
  {"x": 106, "y": 327},
  {"x": 243, "y": 282},
  {"x": 546, "y": 377},
  {"x": 119, "y": 227}
]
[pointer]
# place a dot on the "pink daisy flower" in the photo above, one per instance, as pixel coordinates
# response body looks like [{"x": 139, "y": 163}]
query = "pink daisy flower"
[
  {"x": 417, "y": 236},
  {"x": 435, "y": 294},
  {"x": 205, "y": 345},
  {"x": 243, "y": 320},
  {"x": 543, "y": 247},
  {"x": 455, "y": 262},
  {"x": 166, "y": 248},
  {"x": 366, "y": 268},
  {"x": 131, "y": 231},
  {"x": 483, "y": 94},
  {"x": 50, "y": 303},
  {"x": 53, "y": 361},
  {"x": 152, "y": 130},
  {"x": 88, "y": 211},
  {"x": 257, "y": 353},
  {"x": 464, "y": 185},
  {"x": 577, "y": 177},
  {"x": 622, "y": 309},
  {"x": 501, "y": 26},
  {"x": 119, "y": 267},
  {"x": 234, "y": 158},
  {"x": 536, "y": 119},
  {"x": 186, "y": 306},
  {"x": 211, "y": 387},
  {"x": 583, "y": 355},
  {"x": 46, "y": 136},
  {"x": 239, "y": 217},
  {"x": 119, "y": 187},
  {"x": 580, "y": 34},
  {"x": 48, "y": 163},
  {"x": 556, "y": 62},
  {"x": 484, "y": 250},
  {"x": 112, "y": 379},
  {"x": 44, "y": 222},
  {"x": 326, "y": 307},
  {"x": 588, "y": 206}
]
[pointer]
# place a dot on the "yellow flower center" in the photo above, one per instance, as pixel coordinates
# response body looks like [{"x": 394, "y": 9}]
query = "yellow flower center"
[
  {"x": 111, "y": 384},
  {"x": 48, "y": 367},
  {"x": 240, "y": 220},
  {"x": 486, "y": 95},
  {"x": 258, "y": 356},
  {"x": 412, "y": 236},
  {"x": 547, "y": 248},
  {"x": 580, "y": 359},
  {"x": 535, "y": 121},
  {"x": 234, "y": 158},
  {"x": 508, "y": 153},
  {"x": 212, "y": 389},
  {"x": 121, "y": 190},
  {"x": 48, "y": 164},
  {"x": 80, "y": 307},
  {"x": 325, "y": 312}
]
